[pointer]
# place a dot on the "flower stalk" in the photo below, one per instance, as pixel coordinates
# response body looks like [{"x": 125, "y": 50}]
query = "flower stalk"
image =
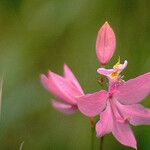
[
  {"x": 101, "y": 143},
  {"x": 102, "y": 87},
  {"x": 92, "y": 132}
]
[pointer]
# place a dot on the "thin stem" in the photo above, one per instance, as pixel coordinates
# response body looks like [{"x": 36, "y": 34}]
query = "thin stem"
[
  {"x": 92, "y": 138},
  {"x": 102, "y": 87},
  {"x": 102, "y": 81},
  {"x": 101, "y": 143},
  {"x": 21, "y": 145},
  {"x": 92, "y": 122},
  {"x": 92, "y": 132},
  {"x": 1, "y": 87}
]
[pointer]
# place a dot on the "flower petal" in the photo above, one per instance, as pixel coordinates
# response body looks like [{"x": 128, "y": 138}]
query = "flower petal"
[
  {"x": 105, "y": 44},
  {"x": 50, "y": 86},
  {"x": 104, "y": 126},
  {"x": 123, "y": 66},
  {"x": 111, "y": 122},
  {"x": 65, "y": 108},
  {"x": 60, "y": 88},
  {"x": 92, "y": 104},
  {"x": 124, "y": 134},
  {"x": 136, "y": 114},
  {"x": 117, "y": 68},
  {"x": 134, "y": 90},
  {"x": 70, "y": 76},
  {"x": 65, "y": 87},
  {"x": 105, "y": 72}
]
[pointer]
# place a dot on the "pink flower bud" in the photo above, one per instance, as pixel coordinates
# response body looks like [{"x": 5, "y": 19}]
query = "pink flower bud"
[{"x": 105, "y": 44}]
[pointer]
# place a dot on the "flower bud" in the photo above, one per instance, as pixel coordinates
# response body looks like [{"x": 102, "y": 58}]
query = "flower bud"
[{"x": 105, "y": 44}]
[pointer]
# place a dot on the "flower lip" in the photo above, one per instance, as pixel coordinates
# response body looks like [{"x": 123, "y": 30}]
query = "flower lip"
[
  {"x": 120, "y": 66},
  {"x": 115, "y": 72}
]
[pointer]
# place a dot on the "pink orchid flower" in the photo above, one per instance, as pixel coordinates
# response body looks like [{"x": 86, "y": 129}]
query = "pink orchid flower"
[
  {"x": 118, "y": 106},
  {"x": 65, "y": 89},
  {"x": 105, "y": 44}
]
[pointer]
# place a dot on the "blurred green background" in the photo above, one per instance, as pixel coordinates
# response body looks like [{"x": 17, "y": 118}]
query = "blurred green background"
[{"x": 39, "y": 35}]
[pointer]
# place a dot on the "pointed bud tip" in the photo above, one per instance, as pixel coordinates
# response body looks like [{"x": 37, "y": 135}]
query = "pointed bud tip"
[{"x": 106, "y": 24}]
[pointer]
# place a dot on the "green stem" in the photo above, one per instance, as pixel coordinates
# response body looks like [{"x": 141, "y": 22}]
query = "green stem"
[
  {"x": 92, "y": 138},
  {"x": 101, "y": 143},
  {"x": 102, "y": 81},
  {"x": 102, "y": 87},
  {"x": 92, "y": 132}
]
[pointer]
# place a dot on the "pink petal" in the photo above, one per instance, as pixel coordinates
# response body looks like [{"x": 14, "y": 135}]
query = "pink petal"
[
  {"x": 65, "y": 87},
  {"x": 134, "y": 90},
  {"x": 105, "y": 44},
  {"x": 51, "y": 87},
  {"x": 70, "y": 76},
  {"x": 105, "y": 72},
  {"x": 92, "y": 104},
  {"x": 104, "y": 126},
  {"x": 123, "y": 66},
  {"x": 124, "y": 134},
  {"x": 60, "y": 88},
  {"x": 111, "y": 122},
  {"x": 108, "y": 72},
  {"x": 44, "y": 81},
  {"x": 136, "y": 114},
  {"x": 65, "y": 108}
]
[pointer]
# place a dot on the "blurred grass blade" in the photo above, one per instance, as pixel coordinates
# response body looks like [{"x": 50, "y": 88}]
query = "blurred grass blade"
[
  {"x": 1, "y": 84},
  {"x": 21, "y": 145}
]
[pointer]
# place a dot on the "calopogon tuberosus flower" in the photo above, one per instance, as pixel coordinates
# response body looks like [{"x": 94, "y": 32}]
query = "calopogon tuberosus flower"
[
  {"x": 119, "y": 106},
  {"x": 65, "y": 89},
  {"x": 105, "y": 44}
]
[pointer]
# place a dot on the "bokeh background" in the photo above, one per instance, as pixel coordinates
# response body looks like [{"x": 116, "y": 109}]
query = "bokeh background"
[{"x": 36, "y": 36}]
